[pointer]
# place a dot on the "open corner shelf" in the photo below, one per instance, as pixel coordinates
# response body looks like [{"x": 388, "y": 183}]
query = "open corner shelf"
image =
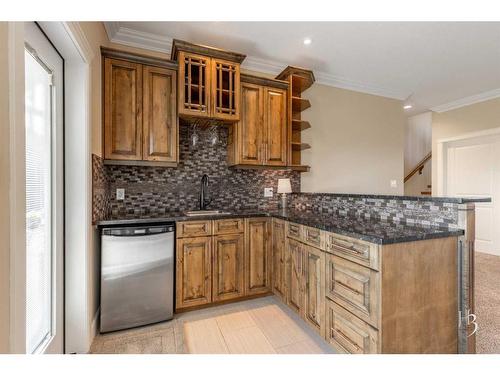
[{"x": 299, "y": 80}]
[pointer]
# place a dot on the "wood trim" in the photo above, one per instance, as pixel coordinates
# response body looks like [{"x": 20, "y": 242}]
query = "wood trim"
[
  {"x": 138, "y": 58},
  {"x": 263, "y": 81},
  {"x": 298, "y": 71},
  {"x": 181, "y": 45},
  {"x": 142, "y": 163},
  {"x": 419, "y": 166}
]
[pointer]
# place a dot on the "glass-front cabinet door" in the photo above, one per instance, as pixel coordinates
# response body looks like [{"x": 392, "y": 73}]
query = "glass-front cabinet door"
[
  {"x": 194, "y": 85},
  {"x": 225, "y": 90}
]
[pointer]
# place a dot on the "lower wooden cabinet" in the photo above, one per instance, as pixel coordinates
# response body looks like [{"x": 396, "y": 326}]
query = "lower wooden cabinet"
[
  {"x": 294, "y": 279},
  {"x": 257, "y": 256},
  {"x": 194, "y": 271},
  {"x": 314, "y": 287},
  {"x": 228, "y": 252},
  {"x": 347, "y": 333},
  {"x": 233, "y": 262},
  {"x": 279, "y": 258}
]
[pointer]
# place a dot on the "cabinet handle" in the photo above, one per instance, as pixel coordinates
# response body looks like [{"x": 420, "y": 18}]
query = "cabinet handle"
[
  {"x": 345, "y": 286},
  {"x": 345, "y": 337},
  {"x": 346, "y": 246}
]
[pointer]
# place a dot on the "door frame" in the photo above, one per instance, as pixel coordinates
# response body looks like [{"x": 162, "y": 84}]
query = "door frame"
[
  {"x": 442, "y": 145},
  {"x": 70, "y": 40}
]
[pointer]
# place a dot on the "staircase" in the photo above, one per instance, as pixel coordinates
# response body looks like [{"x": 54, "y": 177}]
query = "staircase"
[{"x": 418, "y": 168}]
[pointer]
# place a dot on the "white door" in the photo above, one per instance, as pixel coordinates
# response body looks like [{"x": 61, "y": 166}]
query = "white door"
[
  {"x": 44, "y": 193},
  {"x": 472, "y": 169}
]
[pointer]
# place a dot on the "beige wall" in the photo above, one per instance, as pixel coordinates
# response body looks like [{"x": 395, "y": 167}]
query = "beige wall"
[
  {"x": 356, "y": 140},
  {"x": 4, "y": 193},
  {"x": 458, "y": 122}
]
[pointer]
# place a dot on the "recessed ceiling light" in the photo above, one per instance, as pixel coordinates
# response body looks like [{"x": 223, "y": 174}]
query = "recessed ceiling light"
[
  {"x": 307, "y": 41},
  {"x": 407, "y": 106}
]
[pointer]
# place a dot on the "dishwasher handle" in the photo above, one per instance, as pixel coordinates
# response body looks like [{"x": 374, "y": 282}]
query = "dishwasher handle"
[{"x": 137, "y": 231}]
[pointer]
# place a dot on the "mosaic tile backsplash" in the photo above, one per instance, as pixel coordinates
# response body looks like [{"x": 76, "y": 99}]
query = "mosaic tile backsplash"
[
  {"x": 422, "y": 212},
  {"x": 156, "y": 191},
  {"x": 153, "y": 191}
]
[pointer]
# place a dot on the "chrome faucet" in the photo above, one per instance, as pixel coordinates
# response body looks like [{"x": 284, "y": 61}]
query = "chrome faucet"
[{"x": 204, "y": 199}]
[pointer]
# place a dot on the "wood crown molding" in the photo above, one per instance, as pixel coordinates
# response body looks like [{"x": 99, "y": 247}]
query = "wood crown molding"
[
  {"x": 181, "y": 45},
  {"x": 138, "y": 58},
  {"x": 159, "y": 43},
  {"x": 473, "y": 99},
  {"x": 263, "y": 81}
]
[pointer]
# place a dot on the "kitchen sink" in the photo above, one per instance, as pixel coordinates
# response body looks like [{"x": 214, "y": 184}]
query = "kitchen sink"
[{"x": 206, "y": 213}]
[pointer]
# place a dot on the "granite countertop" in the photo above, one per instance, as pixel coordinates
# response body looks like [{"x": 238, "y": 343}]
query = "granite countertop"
[{"x": 375, "y": 231}]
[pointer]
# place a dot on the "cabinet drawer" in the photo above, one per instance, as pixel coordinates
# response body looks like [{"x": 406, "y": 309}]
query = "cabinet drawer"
[
  {"x": 194, "y": 228},
  {"x": 294, "y": 231},
  {"x": 228, "y": 226},
  {"x": 354, "y": 287},
  {"x": 314, "y": 237},
  {"x": 358, "y": 251},
  {"x": 347, "y": 333}
]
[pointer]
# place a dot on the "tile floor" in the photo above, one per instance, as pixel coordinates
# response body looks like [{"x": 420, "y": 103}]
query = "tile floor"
[{"x": 262, "y": 325}]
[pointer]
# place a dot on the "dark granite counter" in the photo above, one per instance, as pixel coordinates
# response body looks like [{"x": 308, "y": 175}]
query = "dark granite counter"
[{"x": 375, "y": 231}]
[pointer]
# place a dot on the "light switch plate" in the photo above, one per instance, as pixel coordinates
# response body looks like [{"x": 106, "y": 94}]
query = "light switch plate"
[
  {"x": 120, "y": 194},
  {"x": 268, "y": 192},
  {"x": 394, "y": 184}
]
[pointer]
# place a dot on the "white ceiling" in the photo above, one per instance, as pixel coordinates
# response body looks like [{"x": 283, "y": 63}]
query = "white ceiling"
[{"x": 438, "y": 65}]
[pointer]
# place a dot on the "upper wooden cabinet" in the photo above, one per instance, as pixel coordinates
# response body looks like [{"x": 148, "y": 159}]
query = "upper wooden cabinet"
[
  {"x": 209, "y": 81},
  {"x": 122, "y": 110},
  {"x": 139, "y": 108},
  {"x": 260, "y": 137}
]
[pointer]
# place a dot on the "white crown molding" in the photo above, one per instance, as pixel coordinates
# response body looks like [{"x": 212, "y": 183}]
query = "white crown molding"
[
  {"x": 78, "y": 37},
  {"x": 158, "y": 43},
  {"x": 478, "y": 98}
]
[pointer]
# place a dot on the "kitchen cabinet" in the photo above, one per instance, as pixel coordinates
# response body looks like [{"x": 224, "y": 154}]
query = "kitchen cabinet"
[
  {"x": 209, "y": 81},
  {"x": 257, "y": 256},
  {"x": 122, "y": 110},
  {"x": 294, "y": 278},
  {"x": 279, "y": 259},
  {"x": 139, "y": 109},
  {"x": 314, "y": 287},
  {"x": 159, "y": 117},
  {"x": 260, "y": 137},
  {"x": 193, "y": 271},
  {"x": 228, "y": 252}
]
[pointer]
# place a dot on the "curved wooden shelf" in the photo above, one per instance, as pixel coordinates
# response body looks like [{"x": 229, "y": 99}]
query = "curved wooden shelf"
[
  {"x": 299, "y": 104},
  {"x": 299, "y": 125},
  {"x": 296, "y": 146}
]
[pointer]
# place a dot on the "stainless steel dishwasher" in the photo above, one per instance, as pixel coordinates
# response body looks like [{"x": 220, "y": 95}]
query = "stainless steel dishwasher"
[{"x": 137, "y": 276}]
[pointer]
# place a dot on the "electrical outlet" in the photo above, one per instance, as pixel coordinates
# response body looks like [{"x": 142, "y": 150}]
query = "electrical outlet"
[
  {"x": 268, "y": 192},
  {"x": 394, "y": 184},
  {"x": 120, "y": 194}
]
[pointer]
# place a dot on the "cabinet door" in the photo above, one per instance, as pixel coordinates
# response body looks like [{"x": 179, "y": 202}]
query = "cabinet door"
[
  {"x": 225, "y": 90},
  {"x": 279, "y": 258},
  {"x": 257, "y": 251},
  {"x": 194, "y": 85},
  {"x": 250, "y": 127},
  {"x": 294, "y": 278},
  {"x": 349, "y": 334},
  {"x": 160, "y": 114},
  {"x": 193, "y": 272},
  {"x": 275, "y": 127},
  {"x": 314, "y": 287},
  {"x": 122, "y": 110},
  {"x": 228, "y": 267}
]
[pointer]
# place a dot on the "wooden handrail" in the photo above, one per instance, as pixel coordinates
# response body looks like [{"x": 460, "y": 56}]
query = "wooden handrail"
[{"x": 419, "y": 166}]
